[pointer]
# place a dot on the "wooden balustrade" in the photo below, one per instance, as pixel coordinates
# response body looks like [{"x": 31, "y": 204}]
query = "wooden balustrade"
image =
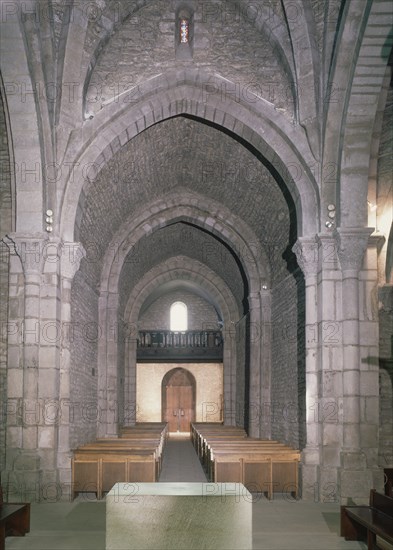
[{"x": 191, "y": 345}]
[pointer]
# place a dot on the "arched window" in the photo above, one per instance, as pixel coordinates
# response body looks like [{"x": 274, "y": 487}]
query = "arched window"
[
  {"x": 184, "y": 30},
  {"x": 178, "y": 316}
]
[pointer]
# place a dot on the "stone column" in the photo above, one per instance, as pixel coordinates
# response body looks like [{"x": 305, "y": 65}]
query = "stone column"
[
  {"x": 306, "y": 250},
  {"x": 71, "y": 256},
  {"x": 355, "y": 479},
  {"x": 266, "y": 363},
  {"x": 23, "y": 460},
  {"x": 255, "y": 340},
  {"x": 130, "y": 381},
  {"x": 101, "y": 357},
  {"x": 111, "y": 374}
]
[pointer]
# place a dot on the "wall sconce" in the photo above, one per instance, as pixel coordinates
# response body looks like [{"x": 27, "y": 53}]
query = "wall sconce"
[
  {"x": 49, "y": 220},
  {"x": 372, "y": 206},
  {"x": 331, "y": 212}
]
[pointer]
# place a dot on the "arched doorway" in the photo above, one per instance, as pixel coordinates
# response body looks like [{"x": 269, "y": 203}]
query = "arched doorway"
[{"x": 178, "y": 399}]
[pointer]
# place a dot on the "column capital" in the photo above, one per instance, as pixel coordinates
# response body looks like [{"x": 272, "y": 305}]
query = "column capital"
[
  {"x": 377, "y": 240},
  {"x": 306, "y": 250},
  {"x": 30, "y": 249},
  {"x": 71, "y": 257},
  {"x": 352, "y": 243}
]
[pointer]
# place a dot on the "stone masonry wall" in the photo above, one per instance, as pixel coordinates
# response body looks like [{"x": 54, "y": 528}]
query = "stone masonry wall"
[
  {"x": 83, "y": 376},
  {"x": 222, "y": 38},
  {"x": 201, "y": 314},
  {"x": 5, "y": 227},
  {"x": 288, "y": 362},
  {"x": 385, "y": 297}
]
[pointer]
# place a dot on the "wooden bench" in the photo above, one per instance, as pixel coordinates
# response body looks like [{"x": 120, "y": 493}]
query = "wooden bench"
[
  {"x": 134, "y": 457},
  {"x": 369, "y": 522},
  {"x": 14, "y": 519},
  {"x": 263, "y": 466}
]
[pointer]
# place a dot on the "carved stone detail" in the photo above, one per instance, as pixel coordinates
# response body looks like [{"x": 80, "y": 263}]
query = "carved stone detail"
[
  {"x": 351, "y": 246},
  {"x": 30, "y": 249},
  {"x": 71, "y": 257},
  {"x": 306, "y": 250}
]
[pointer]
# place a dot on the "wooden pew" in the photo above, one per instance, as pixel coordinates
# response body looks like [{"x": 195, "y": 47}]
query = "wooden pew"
[
  {"x": 228, "y": 455},
  {"x": 261, "y": 470},
  {"x": 368, "y": 522},
  {"x": 136, "y": 457},
  {"x": 14, "y": 519},
  {"x": 97, "y": 470}
]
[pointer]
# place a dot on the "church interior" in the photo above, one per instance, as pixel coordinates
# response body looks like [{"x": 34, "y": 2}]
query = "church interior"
[{"x": 196, "y": 245}]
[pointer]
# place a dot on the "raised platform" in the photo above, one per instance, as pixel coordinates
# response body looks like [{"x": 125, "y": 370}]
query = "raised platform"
[{"x": 171, "y": 516}]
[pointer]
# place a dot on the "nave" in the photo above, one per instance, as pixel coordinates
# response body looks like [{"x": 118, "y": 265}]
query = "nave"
[{"x": 278, "y": 524}]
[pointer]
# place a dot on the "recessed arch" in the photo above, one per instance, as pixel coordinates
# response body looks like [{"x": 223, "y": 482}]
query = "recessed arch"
[
  {"x": 351, "y": 112},
  {"x": 268, "y": 131},
  {"x": 185, "y": 268},
  {"x": 200, "y": 211}
]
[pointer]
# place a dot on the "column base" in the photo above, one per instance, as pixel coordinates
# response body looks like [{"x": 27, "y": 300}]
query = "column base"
[
  {"x": 355, "y": 478},
  {"x": 23, "y": 483},
  {"x": 309, "y": 474}
]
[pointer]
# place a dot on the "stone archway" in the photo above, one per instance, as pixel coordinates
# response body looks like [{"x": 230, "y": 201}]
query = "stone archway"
[{"x": 187, "y": 269}]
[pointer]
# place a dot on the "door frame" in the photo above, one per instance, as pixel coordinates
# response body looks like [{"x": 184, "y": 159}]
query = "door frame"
[{"x": 192, "y": 382}]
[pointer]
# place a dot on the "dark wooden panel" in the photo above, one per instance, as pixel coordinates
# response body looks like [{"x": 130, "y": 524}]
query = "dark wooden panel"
[
  {"x": 141, "y": 471},
  {"x": 228, "y": 471},
  {"x": 257, "y": 476},
  {"x": 113, "y": 472},
  {"x": 284, "y": 477},
  {"x": 85, "y": 477}
]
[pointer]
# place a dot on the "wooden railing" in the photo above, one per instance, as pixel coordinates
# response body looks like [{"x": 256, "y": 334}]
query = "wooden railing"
[{"x": 190, "y": 345}]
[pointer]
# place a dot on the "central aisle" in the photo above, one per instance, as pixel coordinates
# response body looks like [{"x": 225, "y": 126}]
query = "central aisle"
[{"x": 180, "y": 461}]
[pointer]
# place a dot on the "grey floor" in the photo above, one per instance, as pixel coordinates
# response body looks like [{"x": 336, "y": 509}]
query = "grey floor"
[{"x": 280, "y": 524}]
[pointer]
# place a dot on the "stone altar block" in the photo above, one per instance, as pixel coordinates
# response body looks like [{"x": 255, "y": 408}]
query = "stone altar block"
[{"x": 174, "y": 516}]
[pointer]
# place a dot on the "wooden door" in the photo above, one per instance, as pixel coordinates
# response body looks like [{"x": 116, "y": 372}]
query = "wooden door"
[
  {"x": 179, "y": 408},
  {"x": 185, "y": 406}
]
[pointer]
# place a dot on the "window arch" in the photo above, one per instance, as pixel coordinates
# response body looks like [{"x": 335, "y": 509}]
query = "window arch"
[{"x": 178, "y": 316}]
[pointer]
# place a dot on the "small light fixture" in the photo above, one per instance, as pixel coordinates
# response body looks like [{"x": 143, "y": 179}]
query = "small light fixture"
[
  {"x": 372, "y": 206},
  {"x": 264, "y": 286},
  {"x": 49, "y": 220},
  {"x": 331, "y": 212}
]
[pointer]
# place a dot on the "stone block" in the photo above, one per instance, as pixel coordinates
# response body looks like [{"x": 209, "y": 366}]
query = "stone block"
[
  {"x": 355, "y": 486},
  {"x": 351, "y": 382},
  {"x": 46, "y": 438},
  {"x": 27, "y": 461},
  {"x": 14, "y": 437},
  {"x": 331, "y": 434},
  {"x": 331, "y": 455},
  {"x": 351, "y": 409},
  {"x": 351, "y": 435},
  {"x": 48, "y": 382},
  {"x": 30, "y": 437},
  {"x": 14, "y": 357},
  {"x": 372, "y": 410},
  {"x": 48, "y": 356},
  {"x": 178, "y": 515},
  {"x": 353, "y": 460},
  {"x": 369, "y": 383},
  {"x": 328, "y": 484},
  {"x": 368, "y": 435},
  {"x": 309, "y": 484},
  {"x": 15, "y": 383}
]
